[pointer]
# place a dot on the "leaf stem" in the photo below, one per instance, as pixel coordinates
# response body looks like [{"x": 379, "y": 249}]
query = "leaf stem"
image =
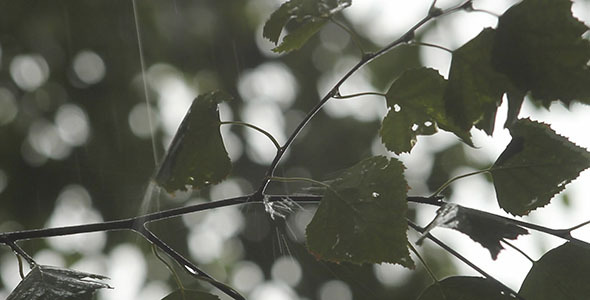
[
  {"x": 463, "y": 259},
  {"x": 294, "y": 179},
  {"x": 266, "y": 133},
  {"x": 168, "y": 266},
  {"x": 428, "y": 270},
  {"x": 358, "y": 95},
  {"x": 518, "y": 250},
  {"x": 417, "y": 43},
  {"x": 351, "y": 33},
  {"x": 446, "y": 184}
]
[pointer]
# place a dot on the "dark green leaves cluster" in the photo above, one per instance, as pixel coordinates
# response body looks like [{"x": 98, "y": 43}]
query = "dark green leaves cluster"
[
  {"x": 197, "y": 156},
  {"x": 306, "y": 18},
  {"x": 47, "y": 282},
  {"x": 536, "y": 165},
  {"x": 362, "y": 217},
  {"x": 537, "y": 47}
]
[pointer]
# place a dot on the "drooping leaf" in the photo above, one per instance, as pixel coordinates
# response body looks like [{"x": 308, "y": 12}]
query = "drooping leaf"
[
  {"x": 307, "y": 16},
  {"x": 197, "y": 156},
  {"x": 536, "y": 165},
  {"x": 362, "y": 216},
  {"x": 482, "y": 227},
  {"x": 416, "y": 108},
  {"x": 190, "y": 295},
  {"x": 561, "y": 273},
  {"x": 539, "y": 47},
  {"x": 475, "y": 89},
  {"x": 47, "y": 282},
  {"x": 464, "y": 288}
]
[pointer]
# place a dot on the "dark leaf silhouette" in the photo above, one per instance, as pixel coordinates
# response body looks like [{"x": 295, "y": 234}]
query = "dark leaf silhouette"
[
  {"x": 362, "y": 217},
  {"x": 536, "y": 165},
  {"x": 46, "y": 282},
  {"x": 561, "y": 273},
  {"x": 197, "y": 156},
  {"x": 482, "y": 227}
]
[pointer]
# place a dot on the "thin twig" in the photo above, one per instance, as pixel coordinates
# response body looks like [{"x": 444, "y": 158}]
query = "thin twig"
[
  {"x": 464, "y": 260},
  {"x": 359, "y": 94},
  {"x": 266, "y": 133},
  {"x": 518, "y": 250}
]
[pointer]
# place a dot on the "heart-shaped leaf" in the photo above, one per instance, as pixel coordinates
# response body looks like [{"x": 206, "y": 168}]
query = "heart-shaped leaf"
[
  {"x": 362, "y": 217},
  {"x": 536, "y": 165},
  {"x": 197, "y": 156}
]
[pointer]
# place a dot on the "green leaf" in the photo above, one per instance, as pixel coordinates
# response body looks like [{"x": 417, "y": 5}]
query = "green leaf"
[
  {"x": 515, "y": 100},
  {"x": 197, "y": 156},
  {"x": 299, "y": 37},
  {"x": 416, "y": 102},
  {"x": 190, "y": 295},
  {"x": 362, "y": 216},
  {"x": 536, "y": 165},
  {"x": 46, "y": 282},
  {"x": 464, "y": 288},
  {"x": 561, "y": 273},
  {"x": 308, "y": 18},
  {"x": 482, "y": 227},
  {"x": 278, "y": 19},
  {"x": 539, "y": 46},
  {"x": 475, "y": 89}
]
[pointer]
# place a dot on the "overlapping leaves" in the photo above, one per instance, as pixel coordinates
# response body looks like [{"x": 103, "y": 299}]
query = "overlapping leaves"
[
  {"x": 536, "y": 165},
  {"x": 475, "y": 89},
  {"x": 416, "y": 108},
  {"x": 362, "y": 216},
  {"x": 197, "y": 156},
  {"x": 307, "y": 16},
  {"x": 561, "y": 273},
  {"x": 539, "y": 47}
]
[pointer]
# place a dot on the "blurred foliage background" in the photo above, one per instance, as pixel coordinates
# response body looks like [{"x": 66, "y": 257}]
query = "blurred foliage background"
[{"x": 79, "y": 142}]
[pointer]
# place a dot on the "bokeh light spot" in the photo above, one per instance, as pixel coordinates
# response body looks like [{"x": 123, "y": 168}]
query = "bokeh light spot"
[
  {"x": 8, "y": 106},
  {"x": 246, "y": 275},
  {"x": 73, "y": 207},
  {"x": 45, "y": 139},
  {"x": 89, "y": 67},
  {"x": 72, "y": 124},
  {"x": 287, "y": 270},
  {"x": 335, "y": 289},
  {"x": 29, "y": 71},
  {"x": 139, "y": 120}
]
